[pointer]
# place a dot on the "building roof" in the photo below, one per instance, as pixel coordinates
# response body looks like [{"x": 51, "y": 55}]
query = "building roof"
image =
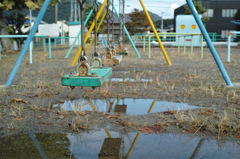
[
  {"x": 27, "y": 21},
  {"x": 73, "y": 23}
]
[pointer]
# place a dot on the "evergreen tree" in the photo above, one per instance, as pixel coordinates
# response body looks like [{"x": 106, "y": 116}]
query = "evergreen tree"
[
  {"x": 200, "y": 9},
  {"x": 139, "y": 22},
  {"x": 16, "y": 5}
]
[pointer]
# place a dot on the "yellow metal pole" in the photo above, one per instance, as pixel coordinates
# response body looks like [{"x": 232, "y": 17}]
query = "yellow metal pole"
[
  {"x": 93, "y": 107},
  {"x": 150, "y": 109},
  {"x": 89, "y": 32},
  {"x": 133, "y": 144},
  {"x": 100, "y": 23},
  {"x": 108, "y": 134},
  {"x": 155, "y": 32}
]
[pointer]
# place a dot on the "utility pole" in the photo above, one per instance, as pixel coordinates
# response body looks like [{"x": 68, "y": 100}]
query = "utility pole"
[
  {"x": 121, "y": 15},
  {"x": 75, "y": 11},
  {"x": 162, "y": 22},
  {"x": 56, "y": 13}
]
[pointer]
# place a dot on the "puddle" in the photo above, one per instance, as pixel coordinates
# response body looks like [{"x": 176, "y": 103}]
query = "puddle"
[
  {"x": 132, "y": 71},
  {"x": 128, "y": 79},
  {"x": 131, "y": 145},
  {"x": 128, "y": 106}
]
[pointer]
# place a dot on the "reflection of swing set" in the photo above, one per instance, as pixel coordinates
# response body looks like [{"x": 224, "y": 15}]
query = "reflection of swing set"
[{"x": 114, "y": 147}]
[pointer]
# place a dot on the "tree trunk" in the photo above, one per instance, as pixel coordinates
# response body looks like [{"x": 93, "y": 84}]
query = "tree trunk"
[{"x": 5, "y": 42}]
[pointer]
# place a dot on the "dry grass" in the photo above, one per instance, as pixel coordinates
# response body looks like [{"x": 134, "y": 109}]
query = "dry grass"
[
  {"x": 79, "y": 123},
  {"x": 189, "y": 79}
]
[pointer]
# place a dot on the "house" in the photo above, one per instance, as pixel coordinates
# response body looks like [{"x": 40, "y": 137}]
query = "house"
[
  {"x": 116, "y": 25},
  {"x": 220, "y": 12},
  {"x": 74, "y": 29}
]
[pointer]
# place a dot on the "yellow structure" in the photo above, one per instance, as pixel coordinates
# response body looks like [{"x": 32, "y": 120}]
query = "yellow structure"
[
  {"x": 89, "y": 32},
  {"x": 155, "y": 32},
  {"x": 100, "y": 23}
]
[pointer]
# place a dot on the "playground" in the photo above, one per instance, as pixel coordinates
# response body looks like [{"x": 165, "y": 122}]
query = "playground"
[
  {"x": 189, "y": 80},
  {"x": 190, "y": 89}
]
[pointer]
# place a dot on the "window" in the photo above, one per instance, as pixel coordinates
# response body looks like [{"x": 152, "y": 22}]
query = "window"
[
  {"x": 229, "y": 13},
  {"x": 209, "y": 13},
  {"x": 224, "y": 34}
]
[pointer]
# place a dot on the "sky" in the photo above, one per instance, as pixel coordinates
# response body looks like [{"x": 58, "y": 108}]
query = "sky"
[{"x": 156, "y": 6}]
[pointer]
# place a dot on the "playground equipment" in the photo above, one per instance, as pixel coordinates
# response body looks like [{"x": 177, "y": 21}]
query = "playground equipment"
[
  {"x": 210, "y": 45},
  {"x": 142, "y": 39},
  {"x": 96, "y": 60},
  {"x": 46, "y": 4},
  {"x": 121, "y": 50},
  {"x": 110, "y": 57},
  {"x": 85, "y": 22},
  {"x": 85, "y": 75},
  {"x": 186, "y": 24},
  {"x": 155, "y": 32},
  {"x": 229, "y": 43},
  {"x": 236, "y": 22}
]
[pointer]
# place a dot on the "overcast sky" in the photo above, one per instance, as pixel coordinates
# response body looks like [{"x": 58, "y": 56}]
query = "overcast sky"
[{"x": 155, "y": 6}]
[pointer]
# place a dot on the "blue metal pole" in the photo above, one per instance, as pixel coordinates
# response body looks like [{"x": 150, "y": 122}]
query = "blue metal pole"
[
  {"x": 126, "y": 31},
  {"x": 229, "y": 47},
  {"x": 38, "y": 146},
  {"x": 210, "y": 45},
  {"x": 30, "y": 52},
  {"x": 44, "y": 44},
  {"x": 13, "y": 36},
  {"x": 85, "y": 22},
  {"x": 26, "y": 44},
  {"x": 103, "y": 44}
]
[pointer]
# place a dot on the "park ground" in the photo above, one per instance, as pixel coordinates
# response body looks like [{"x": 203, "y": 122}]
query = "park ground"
[{"x": 26, "y": 107}]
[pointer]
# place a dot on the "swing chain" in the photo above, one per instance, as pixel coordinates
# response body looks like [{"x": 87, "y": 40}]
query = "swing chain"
[
  {"x": 123, "y": 19},
  {"x": 96, "y": 8},
  {"x": 82, "y": 55},
  {"x": 112, "y": 19}
]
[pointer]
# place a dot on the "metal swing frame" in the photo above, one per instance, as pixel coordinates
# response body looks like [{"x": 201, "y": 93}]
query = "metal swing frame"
[
  {"x": 111, "y": 58},
  {"x": 87, "y": 76}
]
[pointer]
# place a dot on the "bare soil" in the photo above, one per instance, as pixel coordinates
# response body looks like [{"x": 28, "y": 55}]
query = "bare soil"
[{"x": 26, "y": 107}]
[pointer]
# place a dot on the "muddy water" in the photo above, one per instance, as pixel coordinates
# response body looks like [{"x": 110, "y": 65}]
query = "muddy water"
[
  {"x": 133, "y": 145},
  {"x": 128, "y": 106}
]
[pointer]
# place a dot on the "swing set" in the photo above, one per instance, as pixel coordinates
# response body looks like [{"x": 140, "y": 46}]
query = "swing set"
[{"x": 95, "y": 75}]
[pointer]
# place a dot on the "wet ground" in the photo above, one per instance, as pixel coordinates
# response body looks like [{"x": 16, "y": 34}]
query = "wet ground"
[
  {"x": 124, "y": 106},
  {"x": 103, "y": 143},
  {"x": 184, "y": 104}
]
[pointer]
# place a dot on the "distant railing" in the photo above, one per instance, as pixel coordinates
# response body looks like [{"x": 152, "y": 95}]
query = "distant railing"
[{"x": 37, "y": 43}]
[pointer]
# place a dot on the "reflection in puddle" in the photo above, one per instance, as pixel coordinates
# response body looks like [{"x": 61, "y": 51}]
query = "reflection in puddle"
[
  {"x": 99, "y": 144},
  {"x": 128, "y": 106},
  {"x": 128, "y": 80},
  {"x": 133, "y": 71}
]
